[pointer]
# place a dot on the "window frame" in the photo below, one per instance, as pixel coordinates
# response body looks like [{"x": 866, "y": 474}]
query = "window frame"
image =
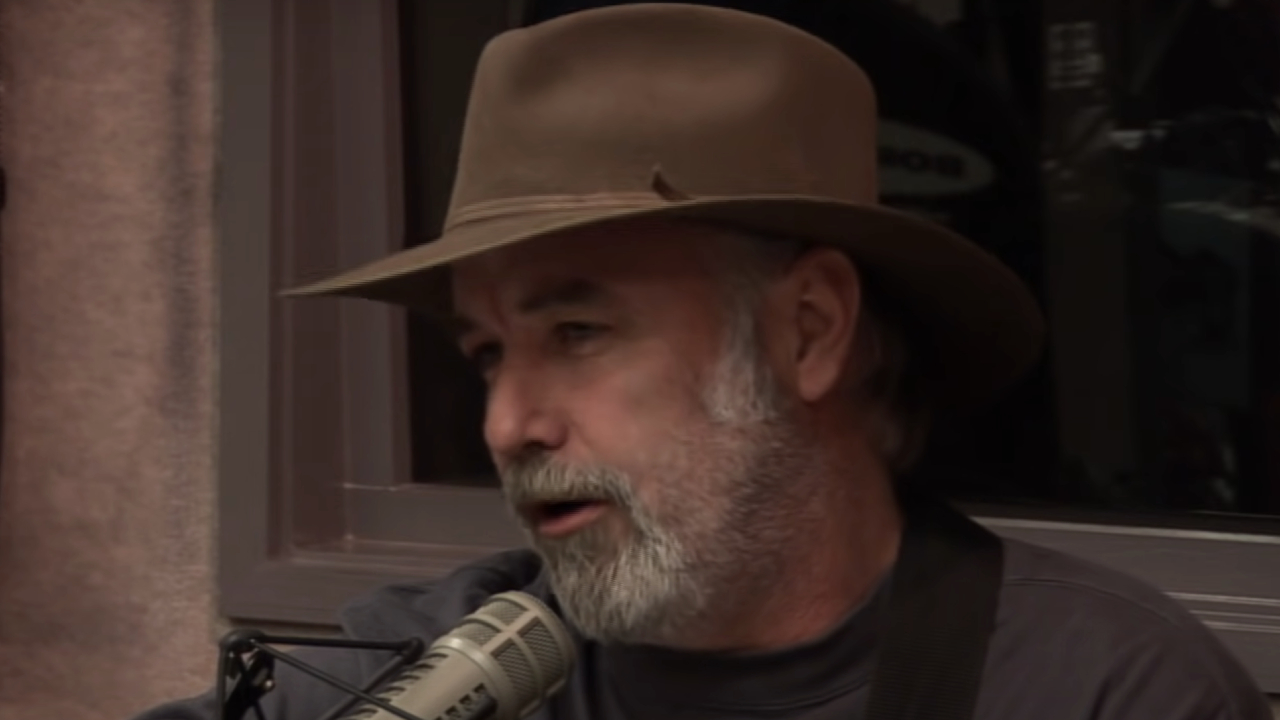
[{"x": 311, "y": 440}]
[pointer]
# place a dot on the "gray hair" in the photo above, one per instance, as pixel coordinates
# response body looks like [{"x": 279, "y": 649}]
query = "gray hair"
[{"x": 883, "y": 376}]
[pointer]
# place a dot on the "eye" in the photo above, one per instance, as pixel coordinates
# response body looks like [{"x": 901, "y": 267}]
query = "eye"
[
  {"x": 575, "y": 333},
  {"x": 485, "y": 356}
]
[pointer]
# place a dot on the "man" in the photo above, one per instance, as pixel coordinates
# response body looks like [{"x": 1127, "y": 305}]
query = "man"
[{"x": 708, "y": 353}]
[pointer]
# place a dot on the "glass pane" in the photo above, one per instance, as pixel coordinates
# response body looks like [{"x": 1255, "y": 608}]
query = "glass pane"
[
  {"x": 440, "y": 44},
  {"x": 1123, "y": 157}
]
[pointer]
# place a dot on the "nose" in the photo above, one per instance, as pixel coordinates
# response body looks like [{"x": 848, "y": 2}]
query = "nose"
[{"x": 519, "y": 417}]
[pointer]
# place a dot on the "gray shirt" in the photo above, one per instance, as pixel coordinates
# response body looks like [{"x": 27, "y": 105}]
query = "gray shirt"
[{"x": 1073, "y": 641}]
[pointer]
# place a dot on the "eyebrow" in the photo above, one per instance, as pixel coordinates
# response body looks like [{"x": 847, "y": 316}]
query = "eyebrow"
[{"x": 566, "y": 294}]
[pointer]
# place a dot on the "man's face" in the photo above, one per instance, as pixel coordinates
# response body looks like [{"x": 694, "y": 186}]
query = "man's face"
[{"x": 641, "y": 439}]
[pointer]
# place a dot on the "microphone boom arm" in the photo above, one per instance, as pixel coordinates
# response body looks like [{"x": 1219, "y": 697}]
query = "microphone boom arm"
[{"x": 255, "y": 678}]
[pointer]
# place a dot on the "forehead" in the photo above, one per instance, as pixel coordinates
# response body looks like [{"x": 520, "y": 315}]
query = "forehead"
[{"x": 624, "y": 257}]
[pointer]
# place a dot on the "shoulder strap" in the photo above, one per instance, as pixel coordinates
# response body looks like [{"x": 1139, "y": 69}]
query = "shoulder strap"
[{"x": 942, "y": 608}]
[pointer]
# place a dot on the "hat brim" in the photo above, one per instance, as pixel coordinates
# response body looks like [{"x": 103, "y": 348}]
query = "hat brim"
[{"x": 983, "y": 325}]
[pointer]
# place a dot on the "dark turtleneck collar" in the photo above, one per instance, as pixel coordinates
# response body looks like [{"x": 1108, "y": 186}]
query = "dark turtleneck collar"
[{"x": 650, "y": 679}]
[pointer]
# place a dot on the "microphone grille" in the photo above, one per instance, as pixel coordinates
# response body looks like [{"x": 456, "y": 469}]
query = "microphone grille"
[
  {"x": 545, "y": 646},
  {"x": 530, "y": 646},
  {"x": 476, "y": 632},
  {"x": 504, "y": 609}
]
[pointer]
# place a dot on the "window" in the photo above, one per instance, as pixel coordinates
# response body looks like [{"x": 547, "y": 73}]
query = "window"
[
  {"x": 1121, "y": 156},
  {"x": 316, "y": 499},
  {"x": 444, "y": 394}
]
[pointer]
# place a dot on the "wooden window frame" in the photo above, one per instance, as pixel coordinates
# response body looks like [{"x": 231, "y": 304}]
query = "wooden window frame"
[
  {"x": 315, "y": 506},
  {"x": 314, "y": 503}
]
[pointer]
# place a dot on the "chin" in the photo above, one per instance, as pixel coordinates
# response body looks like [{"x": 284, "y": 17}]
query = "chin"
[{"x": 596, "y": 546}]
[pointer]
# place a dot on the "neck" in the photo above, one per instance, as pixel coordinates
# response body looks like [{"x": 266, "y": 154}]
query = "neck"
[{"x": 852, "y": 528}]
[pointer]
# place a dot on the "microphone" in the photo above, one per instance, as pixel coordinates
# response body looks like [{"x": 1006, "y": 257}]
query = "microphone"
[{"x": 502, "y": 662}]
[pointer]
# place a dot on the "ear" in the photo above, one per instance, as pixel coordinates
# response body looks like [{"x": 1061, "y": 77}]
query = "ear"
[{"x": 825, "y": 299}]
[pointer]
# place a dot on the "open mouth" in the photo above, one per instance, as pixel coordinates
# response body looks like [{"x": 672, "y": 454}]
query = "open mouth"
[{"x": 559, "y": 518}]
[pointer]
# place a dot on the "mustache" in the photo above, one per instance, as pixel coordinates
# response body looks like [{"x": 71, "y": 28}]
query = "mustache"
[{"x": 541, "y": 479}]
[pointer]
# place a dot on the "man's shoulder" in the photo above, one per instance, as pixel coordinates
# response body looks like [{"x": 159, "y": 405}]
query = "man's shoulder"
[
  {"x": 430, "y": 608},
  {"x": 1062, "y": 583},
  {"x": 1072, "y": 631}
]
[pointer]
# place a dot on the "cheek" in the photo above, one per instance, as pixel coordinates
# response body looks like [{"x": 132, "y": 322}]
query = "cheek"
[{"x": 633, "y": 417}]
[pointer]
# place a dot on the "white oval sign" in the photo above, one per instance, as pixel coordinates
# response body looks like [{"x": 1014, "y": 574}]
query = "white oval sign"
[{"x": 920, "y": 163}]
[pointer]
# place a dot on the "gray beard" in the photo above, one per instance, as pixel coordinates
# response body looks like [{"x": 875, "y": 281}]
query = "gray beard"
[
  {"x": 714, "y": 533},
  {"x": 639, "y": 587}
]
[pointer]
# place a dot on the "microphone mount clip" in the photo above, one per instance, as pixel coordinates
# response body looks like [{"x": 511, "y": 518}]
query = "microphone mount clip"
[{"x": 247, "y": 660}]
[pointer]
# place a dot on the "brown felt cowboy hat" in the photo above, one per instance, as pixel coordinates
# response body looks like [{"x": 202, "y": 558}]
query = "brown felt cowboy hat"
[{"x": 711, "y": 115}]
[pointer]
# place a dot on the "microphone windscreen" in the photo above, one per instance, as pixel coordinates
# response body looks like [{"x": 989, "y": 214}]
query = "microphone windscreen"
[{"x": 503, "y": 661}]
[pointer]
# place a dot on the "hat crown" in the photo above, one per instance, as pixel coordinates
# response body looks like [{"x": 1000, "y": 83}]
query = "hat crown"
[{"x": 722, "y": 103}]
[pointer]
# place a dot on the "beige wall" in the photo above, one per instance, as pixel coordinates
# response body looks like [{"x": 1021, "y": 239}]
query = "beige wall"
[{"x": 106, "y": 483}]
